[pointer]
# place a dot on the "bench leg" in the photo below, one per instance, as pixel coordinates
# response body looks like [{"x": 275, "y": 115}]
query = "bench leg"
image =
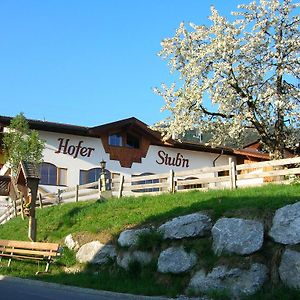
[
  {"x": 9, "y": 261},
  {"x": 47, "y": 266}
]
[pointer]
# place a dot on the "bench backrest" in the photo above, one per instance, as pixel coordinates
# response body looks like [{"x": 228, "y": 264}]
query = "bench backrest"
[{"x": 30, "y": 248}]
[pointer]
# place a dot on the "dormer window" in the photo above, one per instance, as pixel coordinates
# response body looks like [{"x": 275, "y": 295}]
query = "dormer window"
[
  {"x": 124, "y": 140},
  {"x": 132, "y": 141},
  {"x": 115, "y": 139}
]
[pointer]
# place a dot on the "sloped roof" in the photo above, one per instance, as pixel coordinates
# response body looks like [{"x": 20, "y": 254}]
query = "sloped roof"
[
  {"x": 200, "y": 147},
  {"x": 134, "y": 124},
  {"x": 50, "y": 126},
  {"x": 30, "y": 170},
  {"x": 251, "y": 152},
  {"x": 128, "y": 123}
]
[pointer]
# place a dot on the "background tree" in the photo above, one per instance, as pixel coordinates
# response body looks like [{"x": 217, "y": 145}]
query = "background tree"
[
  {"x": 21, "y": 143},
  {"x": 235, "y": 76}
]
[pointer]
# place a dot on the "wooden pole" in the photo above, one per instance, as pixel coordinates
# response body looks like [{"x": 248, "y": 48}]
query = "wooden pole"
[
  {"x": 14, "y": 200},
  {"x": 171, "y": 182},
  {"x": 22, "y": 206},
  {"x": 99, "y": 187},
  {"x": 76, "y": 193},
  {"x": 232, "y": 173},
  {"x": 59, "y": 191},
  {"x": 40, "y": 200},
  {"x": 33, "y": 185},
  {"x": 121, "y": 186}
]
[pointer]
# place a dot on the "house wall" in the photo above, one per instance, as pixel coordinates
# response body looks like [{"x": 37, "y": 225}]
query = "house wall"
[{"x": 62, "y": 150}]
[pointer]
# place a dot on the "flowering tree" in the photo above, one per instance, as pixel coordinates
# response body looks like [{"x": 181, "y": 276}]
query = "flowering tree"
[{"x": 235, "y": 76}]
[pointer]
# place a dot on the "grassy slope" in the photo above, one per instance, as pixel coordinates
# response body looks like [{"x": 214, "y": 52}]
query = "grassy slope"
[{"x": 105, "y": 220}]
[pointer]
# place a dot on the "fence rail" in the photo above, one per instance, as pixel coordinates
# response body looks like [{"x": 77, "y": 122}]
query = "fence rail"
[{"x": 220, "y": 177}]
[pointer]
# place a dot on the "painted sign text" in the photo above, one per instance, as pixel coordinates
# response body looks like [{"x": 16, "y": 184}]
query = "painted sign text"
[
  {"x": 66, "y": 148},
  {"x": 166, "y": 159}
]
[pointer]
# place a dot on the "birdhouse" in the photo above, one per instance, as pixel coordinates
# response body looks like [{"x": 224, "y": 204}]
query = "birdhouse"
[{"x": 4, "y": 185}]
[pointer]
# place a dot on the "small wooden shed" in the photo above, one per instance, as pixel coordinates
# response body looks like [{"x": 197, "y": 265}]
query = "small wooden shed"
[
  {"x": 4, "y": 185},
  {"x": 28, "y": 177}
]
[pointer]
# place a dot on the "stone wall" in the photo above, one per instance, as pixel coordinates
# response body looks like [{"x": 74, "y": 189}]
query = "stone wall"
[{"x": 244, "y": 251}]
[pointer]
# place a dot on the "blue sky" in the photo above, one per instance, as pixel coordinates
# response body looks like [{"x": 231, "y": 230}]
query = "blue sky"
[{"x": 90, "y": 62}]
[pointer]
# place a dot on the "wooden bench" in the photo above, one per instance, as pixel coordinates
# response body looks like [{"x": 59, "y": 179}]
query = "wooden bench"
[{"x": 23, "y": 250}]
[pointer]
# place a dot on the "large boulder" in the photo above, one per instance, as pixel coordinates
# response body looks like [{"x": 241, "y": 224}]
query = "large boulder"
[
  {"x": 124, "y": 260},
  {"x": 71, "y": 243},
  {"x": 95, "y": 253},
  {"x": 192, "y": 225},
  {"x": 130, "y": 237},
  {"x": 233, "y": 235},
  {"x": 289, "y": 269},
  {"x": 236, "y": 281},
  {"x": 286, "y": 225},
  {"x": 175, "y": 260}
]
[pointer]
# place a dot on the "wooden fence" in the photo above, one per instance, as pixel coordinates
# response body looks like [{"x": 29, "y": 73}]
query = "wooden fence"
[
  {"x": 220, "y": 177},
  {"x": 230, "y": 176}
]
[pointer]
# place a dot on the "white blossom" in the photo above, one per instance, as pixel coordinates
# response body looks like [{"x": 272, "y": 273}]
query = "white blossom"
[{"x": 248, "y": 69}]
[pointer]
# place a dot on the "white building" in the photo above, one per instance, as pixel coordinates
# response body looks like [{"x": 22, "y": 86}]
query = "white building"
[{"x": 72, "y": 154}]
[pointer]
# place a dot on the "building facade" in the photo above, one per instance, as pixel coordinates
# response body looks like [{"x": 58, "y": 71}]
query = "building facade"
[{"x": 72, "y": 154}]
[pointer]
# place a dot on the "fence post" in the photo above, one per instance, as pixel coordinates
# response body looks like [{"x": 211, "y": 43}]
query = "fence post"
[
  {"x": 40, "y": 200},
  {"x": 15, "y": 206},
  {"x": 121, "y": 186},
  {"x": 232, "y": 173},
  {"x": 76, "y": 193},
  {"x": 22, "y": 206},
  {"x": 99, "y": 186},
  {"x": 171, "y": 182},
  {"x": 59, "y": 192},
  {"x": 8, "y": 213}
]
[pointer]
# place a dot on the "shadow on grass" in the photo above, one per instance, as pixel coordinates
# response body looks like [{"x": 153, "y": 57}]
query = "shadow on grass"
[
  {"x": 68, "y": 219},
  {"x": 257, "y": 204}
]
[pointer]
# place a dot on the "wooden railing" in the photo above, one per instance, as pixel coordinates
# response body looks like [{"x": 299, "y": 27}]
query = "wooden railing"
[
  {"x": 220, "y": 177},
  {"x": 229, "y": 176}
]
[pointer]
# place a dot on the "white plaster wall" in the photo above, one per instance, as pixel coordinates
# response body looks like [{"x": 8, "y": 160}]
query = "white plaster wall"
[
  {"x": 149, "y": 163},
  {"x": 73, "y": 165},
  {"x": 196, "y": 160}
]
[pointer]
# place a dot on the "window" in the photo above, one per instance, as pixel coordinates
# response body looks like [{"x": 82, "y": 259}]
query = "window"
[
  {"x": 92, "y": 175},
  {"x": 51, "y": 175},
  {"x": 62, "y": 176},
  {"x": 115, "y": 140},
  {"x": 190, "y": 186},
  {"x": 88, "y": 176},
  {"x": 132, "y": 141},
  {"x": 145, "y": 190}
]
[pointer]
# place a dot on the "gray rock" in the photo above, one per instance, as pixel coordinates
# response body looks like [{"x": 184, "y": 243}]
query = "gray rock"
[
  {"x": 175, "y": 260},
  {"x": 196, "y": 224},
  {"x": 233, "y": 235},
  {"x": 126, "y": 258},
  {"x": 286, "y": 225},
  {"x": 71, "y": 243},
  {"x": 236, "y": 281},
  {"x": 95, "y": 253},
  {"x": 289, "y": 269},
  {"x": 129, "y": 237}
]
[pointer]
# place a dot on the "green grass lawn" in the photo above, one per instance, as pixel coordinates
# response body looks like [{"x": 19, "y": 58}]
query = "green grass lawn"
[{"x": 105, "y": 220}]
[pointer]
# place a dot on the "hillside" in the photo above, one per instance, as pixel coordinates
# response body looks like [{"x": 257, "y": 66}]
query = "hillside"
[{"x": 104, "y": 221}]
